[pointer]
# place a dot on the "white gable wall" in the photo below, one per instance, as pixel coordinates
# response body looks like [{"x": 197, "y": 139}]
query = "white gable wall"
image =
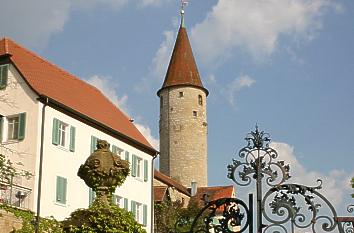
[
  {"x": 59, "y": 161},
  {"x": 18, "y": 98}
]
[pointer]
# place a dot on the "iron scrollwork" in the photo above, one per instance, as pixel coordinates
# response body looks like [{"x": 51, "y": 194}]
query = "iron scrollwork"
[
  {"x": 301, "y": 206},
  {"x": 229, "y": 215},
  {"x": 259, "y": 160},
  {"x": 284, "y": 207}
]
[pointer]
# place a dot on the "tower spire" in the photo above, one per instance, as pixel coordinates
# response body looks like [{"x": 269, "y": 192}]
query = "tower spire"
[{"x": 184, "y": 3}]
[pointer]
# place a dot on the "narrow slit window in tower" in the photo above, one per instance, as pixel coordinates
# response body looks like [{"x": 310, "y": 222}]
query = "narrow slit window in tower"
[{"x": 200, "y": 100}]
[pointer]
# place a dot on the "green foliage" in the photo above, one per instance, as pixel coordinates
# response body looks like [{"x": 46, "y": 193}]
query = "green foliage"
[
  {"x": 101, "y": 218},
  {"x": 172, "y": 215},
  {"x": 8, "y": 171},
  {"x": 48, "y": 225}
]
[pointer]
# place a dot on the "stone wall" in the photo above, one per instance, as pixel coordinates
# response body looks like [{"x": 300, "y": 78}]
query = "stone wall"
[
  {"x": 183, "y": 135},
  {"x": 9, "y": 222}
]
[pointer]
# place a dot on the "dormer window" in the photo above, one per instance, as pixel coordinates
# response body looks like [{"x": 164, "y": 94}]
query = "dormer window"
[{"x": 200, "y": 100}]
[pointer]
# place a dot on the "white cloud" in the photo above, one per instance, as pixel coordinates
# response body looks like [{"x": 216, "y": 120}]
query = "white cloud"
[
  {"x": 150, "y": 2},
  {"x": 146, "y": 131},
  {"x": 163, "y": 55},
  {"x": 159, "y": 64},
  {"x": 109, "y": 89},
  {"x": 335, "y": 183},
  {"x": 34, "y": 22},
  {"x": 235, "y": 86},
  {"x": 256, "y": 26}
]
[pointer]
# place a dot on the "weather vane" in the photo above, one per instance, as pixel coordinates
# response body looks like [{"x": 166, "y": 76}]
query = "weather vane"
[{"x": 184, "y": 3}]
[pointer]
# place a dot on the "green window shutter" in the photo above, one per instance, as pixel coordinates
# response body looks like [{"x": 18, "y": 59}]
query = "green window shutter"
[
  {"x": 114, "y": 149},
  {"x": 92, "y": 196},
  {"x": 55, "y": 132},
  {"x": 72, "y": 138},
  {"x": 22, "y": 126},
  {"x": 93, "y": 144},
  {"x": 144, "y": 215},
  {"x": 127, "y": 156},
  {"x": 134, "y": 165},
  {"x": 126, "y": 204},
  {"x": 146, "y": 171},
  {"x": 3, "y": 76},
  {"x": 133, "y": 208},
  {"x": 61, "y": 190}
]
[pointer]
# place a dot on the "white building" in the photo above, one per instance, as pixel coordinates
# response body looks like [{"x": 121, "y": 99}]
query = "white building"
[{"x": 50, "y": 122}]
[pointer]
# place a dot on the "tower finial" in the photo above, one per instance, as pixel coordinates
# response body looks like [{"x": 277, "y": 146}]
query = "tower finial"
[{"x": 183, "y": 4}]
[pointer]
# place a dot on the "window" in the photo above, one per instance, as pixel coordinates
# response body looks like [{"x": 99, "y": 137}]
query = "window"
[
  {"x": 181, "y": 94},
  {"x": 92, "y": 196},
  {"x": 200, "y": 100},
  {"x": 116, "y": 150},
  {"x": 139, "y": 168},
  {"x": 140, "y": 212},
  {"x": 63, "y": 135},
  {"x": 195, "y": 113},
  {"x": 117, "y": 200},
  {"x": 61, "y": 190},
  {"x": 13, "y": 127},
  {"x": 161, "y": 101},
  {"x": 3, "y": 75},
  {"x": 12, "y": 130}
]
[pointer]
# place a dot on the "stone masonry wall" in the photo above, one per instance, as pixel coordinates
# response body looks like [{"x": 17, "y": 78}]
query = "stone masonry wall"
[
  {"x": 183, "y": 135},
  {"x": 9, "y": 222}
]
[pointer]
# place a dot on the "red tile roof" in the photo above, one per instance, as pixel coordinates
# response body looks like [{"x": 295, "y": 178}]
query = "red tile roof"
[
  {"x": 159, "y": 193},
  {"x": 182, "y": 69},
  {"x": 214, "y": 193},
  {"x": 47, "y": 79},
  {"x": 170, "y": 182}
]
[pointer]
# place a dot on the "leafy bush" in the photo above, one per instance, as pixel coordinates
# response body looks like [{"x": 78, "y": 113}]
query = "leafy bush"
[
  {"x": 48, "y": 225},
  {"x": 102, "y": 218}
]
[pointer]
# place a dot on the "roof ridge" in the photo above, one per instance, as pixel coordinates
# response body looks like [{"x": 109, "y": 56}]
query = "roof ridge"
[
  {"x": 44, "y": 60},
  {"x": 68, "y": 74}
]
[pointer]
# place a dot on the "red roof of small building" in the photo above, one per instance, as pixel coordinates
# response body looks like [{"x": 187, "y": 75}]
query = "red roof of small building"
[
  {"x": 213, "y": 193},
  {"x": 159, "y": 193},
  {"x": 182, "y": 70},
  {"x": 47, "y": 79},
  {"x": 170, "y": 182}
]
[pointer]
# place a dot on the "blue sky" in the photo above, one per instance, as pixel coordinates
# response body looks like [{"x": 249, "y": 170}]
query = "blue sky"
[{"x": 286, "y": 65}]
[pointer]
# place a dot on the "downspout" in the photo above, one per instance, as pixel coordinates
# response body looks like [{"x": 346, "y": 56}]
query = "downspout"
[
  {"x": 152, "y": 193},
  {"x": 45, "y": 104}
]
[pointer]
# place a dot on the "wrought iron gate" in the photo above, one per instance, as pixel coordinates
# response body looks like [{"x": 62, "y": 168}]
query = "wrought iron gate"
[{"x": 283, "y": 208}]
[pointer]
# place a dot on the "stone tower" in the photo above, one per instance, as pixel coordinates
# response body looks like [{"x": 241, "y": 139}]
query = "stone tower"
[{"x": 183, "y": 118}]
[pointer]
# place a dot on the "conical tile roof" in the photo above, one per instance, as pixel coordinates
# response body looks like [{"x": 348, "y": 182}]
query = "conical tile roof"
[{"x": 182, "y": 70}]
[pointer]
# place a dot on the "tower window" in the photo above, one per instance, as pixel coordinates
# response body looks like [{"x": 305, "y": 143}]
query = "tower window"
[
  {"x": 161, "y": 101},
  {"x": 181, "y": 94},
  {"x": 195, "y": 113},
  {"x": 200, "y": 100}
]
